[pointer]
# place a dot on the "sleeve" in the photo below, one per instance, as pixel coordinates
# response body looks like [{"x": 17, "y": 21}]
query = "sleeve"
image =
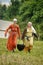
[
  {"x": 19, "y": 33},
  {"x": 23, "y": 35},
  {"x": 34, "y": 31},
  {"x": 7, "y": 29}
]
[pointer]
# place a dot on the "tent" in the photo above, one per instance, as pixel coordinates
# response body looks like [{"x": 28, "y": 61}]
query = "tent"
[{"x": 3, "y": 26}]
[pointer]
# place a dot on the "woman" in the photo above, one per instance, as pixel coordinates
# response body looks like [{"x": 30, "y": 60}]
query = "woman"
[
  {"x": 13, "y": 35},
  {"x": 27, "y": 36}
]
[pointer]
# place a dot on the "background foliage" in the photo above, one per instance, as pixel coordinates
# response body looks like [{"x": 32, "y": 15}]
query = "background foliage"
[{"x": 25, "y": 11}]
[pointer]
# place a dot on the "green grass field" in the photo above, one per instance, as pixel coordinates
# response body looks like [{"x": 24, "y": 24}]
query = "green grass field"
[{"x": 21, "y": 58}]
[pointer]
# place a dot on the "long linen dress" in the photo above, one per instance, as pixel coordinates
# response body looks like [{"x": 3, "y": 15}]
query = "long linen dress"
[
  {"x": 27, "y": 36},
  {"x": 29, "y": 41},
  {"x": 13, "y": 35}
]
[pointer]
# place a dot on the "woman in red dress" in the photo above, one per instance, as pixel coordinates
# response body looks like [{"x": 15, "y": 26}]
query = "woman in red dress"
[{"x": 14, "y": 33}]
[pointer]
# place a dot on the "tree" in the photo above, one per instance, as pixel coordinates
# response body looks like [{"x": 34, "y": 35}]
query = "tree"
[
  {"x": 14, "y": 8},
  {"x": 2, "y": 11}
]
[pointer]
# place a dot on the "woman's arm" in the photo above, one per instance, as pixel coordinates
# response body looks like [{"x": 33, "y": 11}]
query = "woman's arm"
[
  {"x": 19, "y": 33},
  {"x": 7, "y": 30},
  {"x": 24, "y": 32},
  {"x": 34, "y": 32}
]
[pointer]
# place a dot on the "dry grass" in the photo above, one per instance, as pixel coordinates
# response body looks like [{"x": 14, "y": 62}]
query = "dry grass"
[{"x": 21, "y": 58}]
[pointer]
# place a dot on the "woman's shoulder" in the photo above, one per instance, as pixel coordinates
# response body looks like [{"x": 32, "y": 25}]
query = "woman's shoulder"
[
  {"x": 11, "y": 25},
  {"x": 17, "y": 25}
]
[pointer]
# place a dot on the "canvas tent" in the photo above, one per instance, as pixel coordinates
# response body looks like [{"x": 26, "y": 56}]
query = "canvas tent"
[{"x": 3, "y": 26}]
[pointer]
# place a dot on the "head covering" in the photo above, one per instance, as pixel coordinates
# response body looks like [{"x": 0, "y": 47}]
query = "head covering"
[
  {"x": 30, "y": 23},
  {"x": 15, "y": 20}
]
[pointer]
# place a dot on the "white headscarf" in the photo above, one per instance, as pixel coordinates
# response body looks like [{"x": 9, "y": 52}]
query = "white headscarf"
[
  {"x": 32, "y": 27},
  {"x": 34, "y": 31},
  {"x": 30, "y": 23},
  {"x": 15, "y": 20}
]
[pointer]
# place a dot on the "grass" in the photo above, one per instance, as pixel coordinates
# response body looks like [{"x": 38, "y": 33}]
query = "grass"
[{"x": 21, "y": 58}]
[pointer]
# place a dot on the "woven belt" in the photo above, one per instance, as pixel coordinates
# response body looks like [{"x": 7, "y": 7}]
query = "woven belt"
[{"x": 27, "y": 37}]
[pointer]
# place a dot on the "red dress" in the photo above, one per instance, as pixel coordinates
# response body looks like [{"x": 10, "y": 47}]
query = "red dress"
[{"x": 12, "y": 39}]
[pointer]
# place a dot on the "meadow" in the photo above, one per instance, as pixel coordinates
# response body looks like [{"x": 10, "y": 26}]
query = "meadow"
[{"x": 21, "y": 58}]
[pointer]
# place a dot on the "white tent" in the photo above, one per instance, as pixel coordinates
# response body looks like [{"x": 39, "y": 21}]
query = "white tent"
[{"x": 3, "y": 26}]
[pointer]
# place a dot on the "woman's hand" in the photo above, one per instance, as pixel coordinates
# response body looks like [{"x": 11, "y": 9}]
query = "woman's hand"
[{"x": 5, "y": 34}]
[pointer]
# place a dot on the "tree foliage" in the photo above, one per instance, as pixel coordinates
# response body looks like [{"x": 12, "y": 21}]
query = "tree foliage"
[{"x": 25, "y": 11}]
